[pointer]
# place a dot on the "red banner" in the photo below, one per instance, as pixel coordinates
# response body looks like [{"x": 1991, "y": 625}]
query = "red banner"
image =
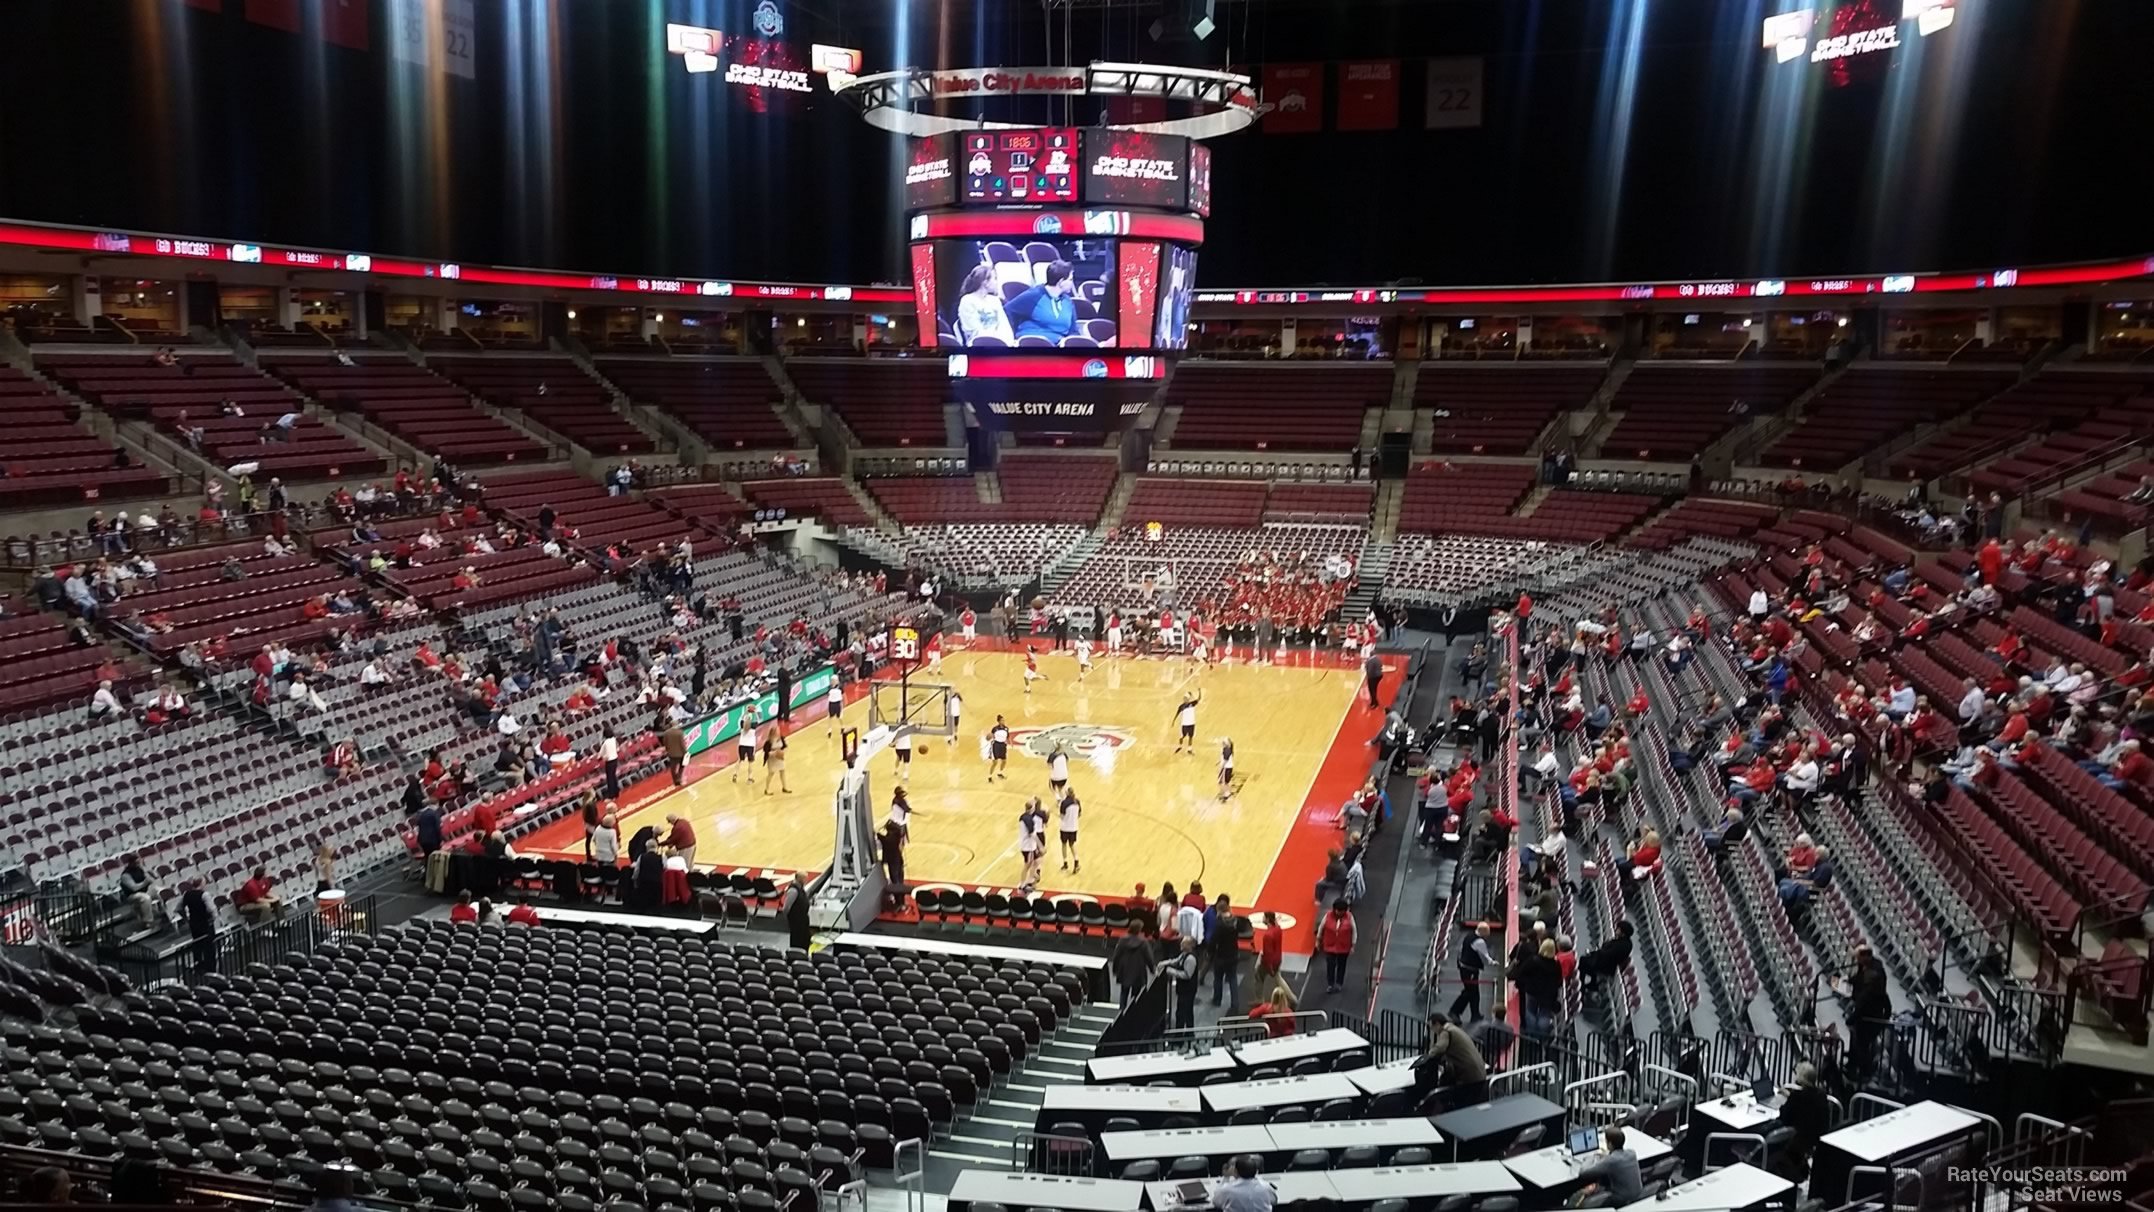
[
  {"x": 1140, "y": 293},
  {"x": 279, "y": 14},
  {"x": 1295, "y": 92},
  {"x": 1128, "y": 111},
  {"x": 344, "y": 22},
  {"x": 1369, "y": 94},
  {"x": 923, "y": 293}
]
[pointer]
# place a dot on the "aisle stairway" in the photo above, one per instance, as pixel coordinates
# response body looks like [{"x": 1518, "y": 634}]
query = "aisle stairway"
[
  {"x": 1370, "y": 571},
  {"x": 987, "y": 1137}
]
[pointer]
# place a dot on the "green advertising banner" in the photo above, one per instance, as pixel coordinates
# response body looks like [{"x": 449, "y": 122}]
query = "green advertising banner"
[{"x": 725, "y": 725}]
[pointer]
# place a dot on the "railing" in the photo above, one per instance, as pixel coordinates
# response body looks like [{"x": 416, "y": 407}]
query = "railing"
[
  {"x": 300, "y": 932},
  {"x": 1049, "y": 1153},
  {"x": 180, "y": 1186}
]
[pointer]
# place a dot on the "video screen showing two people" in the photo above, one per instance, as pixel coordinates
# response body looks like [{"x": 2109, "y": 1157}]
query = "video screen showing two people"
[{"x": 1056, "y": 294}]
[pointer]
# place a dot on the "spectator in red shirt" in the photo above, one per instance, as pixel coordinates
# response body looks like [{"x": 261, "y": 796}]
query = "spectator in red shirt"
[
  {"x": 256, "y": 899},
  {"x": 681, "y": 838},
  {"x": 485, "y": 817},
  {"x": 1271, "y": 946},
  {"x": 1276, "y": 1012},
  {"x": 464, "y": 912},
  {"x": 2133, "y": 769},
  {"x": 1566, "y": 959},
  {"x": 522, "y": 914}
]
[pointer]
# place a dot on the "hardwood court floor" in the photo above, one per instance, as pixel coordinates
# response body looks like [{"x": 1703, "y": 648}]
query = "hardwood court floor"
[{"x": 1150, "y": 814}]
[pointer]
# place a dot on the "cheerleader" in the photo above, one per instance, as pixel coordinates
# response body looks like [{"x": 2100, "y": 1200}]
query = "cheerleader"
[
  {"x": 970, "y": 622},
  {"x": 744, "y": 755},
  {"x": 1226, "y": 768}
]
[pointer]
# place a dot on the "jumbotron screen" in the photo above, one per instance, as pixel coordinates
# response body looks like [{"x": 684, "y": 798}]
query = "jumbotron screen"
[
  {"x": 1062, "y": 292},
  {"x": 1005, "y": 166},
  {"x": 1136, "y": 168}
]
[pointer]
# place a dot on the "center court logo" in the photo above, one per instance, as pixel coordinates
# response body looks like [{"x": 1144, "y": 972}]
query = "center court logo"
[{"x": 1081, "y": 740}]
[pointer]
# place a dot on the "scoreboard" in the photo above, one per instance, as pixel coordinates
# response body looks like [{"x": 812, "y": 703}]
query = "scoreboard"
[{"x": 1037, "y": 165}]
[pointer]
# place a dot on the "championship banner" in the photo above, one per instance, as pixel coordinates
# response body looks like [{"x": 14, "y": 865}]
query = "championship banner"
[
  {"x": 1295, "y": 92},
  {"x": 1369, "y": 94},
  {"x": 714, "y": 730},
  {"x": 923, "y": 291}
]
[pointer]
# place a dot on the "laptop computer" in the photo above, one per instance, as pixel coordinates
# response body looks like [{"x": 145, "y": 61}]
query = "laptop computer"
[
  {"x": 1584, "y": 1141},
  {"x": 1193, "y": 1193},
  {"x": 1763, "y": 1090}
]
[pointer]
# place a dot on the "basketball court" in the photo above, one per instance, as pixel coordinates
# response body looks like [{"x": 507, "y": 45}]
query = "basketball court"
[{"x": 1151, "y": 815}]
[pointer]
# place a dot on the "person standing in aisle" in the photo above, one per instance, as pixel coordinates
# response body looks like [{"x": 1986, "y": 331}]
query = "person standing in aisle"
[
  {"x": 1182, "y": 970},
  {"x": 1473, "y": 960},
  {"x": 1223, "y": 937},
  {"x": 609, "y": 750},
  {"x": 1335, "y": 938}
]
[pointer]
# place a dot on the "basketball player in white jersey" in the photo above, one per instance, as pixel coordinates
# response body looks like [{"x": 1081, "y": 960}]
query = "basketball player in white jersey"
[
  {"x": 1031, "y": 843},
  {"x": 1226, "y": 768},
  {"x": 957, "y": 712},
  {"x": 1185, "y": 716},
  {"x": 744, "y": 754},
  {"x": 1070, "y": 811},
  {"x": 901, "y": 813},
  {"x": 1058, "y": 771},
  {"x": 1084, "y": 656},
  {"x": 833, "y": 706},
  {"x": 1032, "y": 668},
  {"x": 902, "y": 746}
]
